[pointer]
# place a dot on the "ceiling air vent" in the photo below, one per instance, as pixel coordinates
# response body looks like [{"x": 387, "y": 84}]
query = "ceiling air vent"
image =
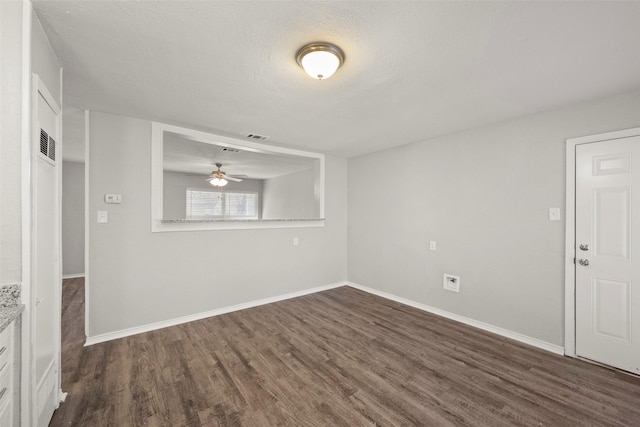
[
  {"x": 229, "y": 149},
  {"x": 257, "y": 137}
]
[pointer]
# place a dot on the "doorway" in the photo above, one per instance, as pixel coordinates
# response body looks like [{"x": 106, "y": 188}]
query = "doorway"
[{"x": 602, "y": 280}]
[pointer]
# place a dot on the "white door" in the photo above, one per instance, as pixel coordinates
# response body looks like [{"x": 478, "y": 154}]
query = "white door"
[
  {"x": 607, "y": 241},
  {"x": 46, "y": 256}
]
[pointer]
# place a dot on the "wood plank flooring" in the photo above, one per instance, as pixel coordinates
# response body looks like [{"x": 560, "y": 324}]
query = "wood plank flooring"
[{"x": 335, "y": 358}]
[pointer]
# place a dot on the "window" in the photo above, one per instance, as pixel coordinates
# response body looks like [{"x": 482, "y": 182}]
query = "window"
[
  {"x": 204, "y": 204},
  {"x": 208, "y": 204},
  {"x": 241, "y": 205}
]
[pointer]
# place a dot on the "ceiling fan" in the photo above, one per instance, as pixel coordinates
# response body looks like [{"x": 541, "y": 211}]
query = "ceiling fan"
[{"x": 219, "y": 178}]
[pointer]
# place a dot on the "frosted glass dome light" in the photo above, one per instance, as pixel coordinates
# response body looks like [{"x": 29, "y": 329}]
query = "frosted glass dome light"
[
  {"x": 320, "y": 60},
  {"x": 218, "y": 182}
]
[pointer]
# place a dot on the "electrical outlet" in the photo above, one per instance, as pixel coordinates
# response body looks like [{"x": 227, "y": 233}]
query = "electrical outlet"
[
  {"x": 432, "y": 245},
  {"x": 451, "y": 282}
]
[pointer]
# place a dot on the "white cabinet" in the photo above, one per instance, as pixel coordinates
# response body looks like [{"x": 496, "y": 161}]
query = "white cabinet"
[{"x": 8, "y": 377}]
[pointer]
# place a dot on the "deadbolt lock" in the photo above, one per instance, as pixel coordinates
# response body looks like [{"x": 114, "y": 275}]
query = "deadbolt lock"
[{"x": 584, "y": 247}]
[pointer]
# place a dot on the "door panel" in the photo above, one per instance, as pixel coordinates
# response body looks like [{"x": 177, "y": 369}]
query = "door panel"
[
  {"x": 607, "y": 275},
  {"x": 611, "y": 221},
  {"x": 611, "y": 308}
]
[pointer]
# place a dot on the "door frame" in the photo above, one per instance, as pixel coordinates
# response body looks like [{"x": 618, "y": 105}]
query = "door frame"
[
  {"x": 570, "y": 231},
  {"x": 26, "y": 389}
]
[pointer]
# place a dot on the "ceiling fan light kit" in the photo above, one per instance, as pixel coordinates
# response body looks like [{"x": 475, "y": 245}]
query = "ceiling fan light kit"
[
  {"x": 218, "y": 182},
  {"x": 219, "y": 178},
  {"x": 320, "y": 60}
]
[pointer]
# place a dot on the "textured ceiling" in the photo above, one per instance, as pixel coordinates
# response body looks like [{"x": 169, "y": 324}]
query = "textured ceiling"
[
  {"x": 190, "y": 156},
  {"x": 413, "y": 70}
]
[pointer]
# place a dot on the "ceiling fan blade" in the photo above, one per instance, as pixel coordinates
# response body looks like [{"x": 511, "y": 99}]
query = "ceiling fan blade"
[{"x": 231, "y": 178}]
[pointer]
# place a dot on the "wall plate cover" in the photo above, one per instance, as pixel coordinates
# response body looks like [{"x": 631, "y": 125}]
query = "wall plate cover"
[
  {"x": 451, "y": 282},
  {"x": 554, "y": 214},
  {"x": 113, "y": 198},
  {"x": 103, "y": 217}
]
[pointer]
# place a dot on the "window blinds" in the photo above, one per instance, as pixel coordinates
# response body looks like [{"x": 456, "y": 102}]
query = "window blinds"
[{"x": 205, "y": 204}]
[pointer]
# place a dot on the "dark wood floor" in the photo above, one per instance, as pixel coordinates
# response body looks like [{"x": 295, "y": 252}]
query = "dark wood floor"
[{"x": 335, "y": 358}]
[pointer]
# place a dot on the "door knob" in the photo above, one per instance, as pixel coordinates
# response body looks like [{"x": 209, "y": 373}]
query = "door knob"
[
  {"x": 584, "y": 247},
  {"x": 583, "y": 261}
]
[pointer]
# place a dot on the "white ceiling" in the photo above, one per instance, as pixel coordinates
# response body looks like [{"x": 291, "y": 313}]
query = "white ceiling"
[
  {"x": 413, "y": 70},
  {"x": 181, "y": 154}
]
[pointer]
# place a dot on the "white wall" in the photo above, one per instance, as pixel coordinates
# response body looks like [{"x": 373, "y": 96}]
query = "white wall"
[
  {"x": 11, "y": 75},
  {"x": 137, "y": 277},
  {"x": 44, "y": 63},
  {"x": 175, "y": 184},
  {"x": 72, "y": 218},
  {"x": 73, "y": 127},
  {"x": 484, "y": 196},
  {"x": 44, "y": 60},
  {"x": 291, "y": 196}
]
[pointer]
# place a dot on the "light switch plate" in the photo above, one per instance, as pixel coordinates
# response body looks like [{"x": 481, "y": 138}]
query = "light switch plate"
[
  {"x": 554, "y": 214},
  {"x": 103, "y": 217}
]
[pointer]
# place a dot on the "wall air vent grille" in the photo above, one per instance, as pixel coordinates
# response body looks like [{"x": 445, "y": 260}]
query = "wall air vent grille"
[
  {"x": 44, "y": 142},
  {"x": 52, "y": 149},
  {"x": 257, "y": 137},
  {"x": 47, "y": 146}
]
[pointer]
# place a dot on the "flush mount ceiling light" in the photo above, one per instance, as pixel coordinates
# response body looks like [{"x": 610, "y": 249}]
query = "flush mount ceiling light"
[{"x": 320, "y": 60}]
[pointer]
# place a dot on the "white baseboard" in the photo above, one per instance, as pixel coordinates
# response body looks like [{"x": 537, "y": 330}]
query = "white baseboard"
[
  {"x": 553, "y": 348},
  {"x": 72, "y": 276},
  {"x": 198, "y": 316}
]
